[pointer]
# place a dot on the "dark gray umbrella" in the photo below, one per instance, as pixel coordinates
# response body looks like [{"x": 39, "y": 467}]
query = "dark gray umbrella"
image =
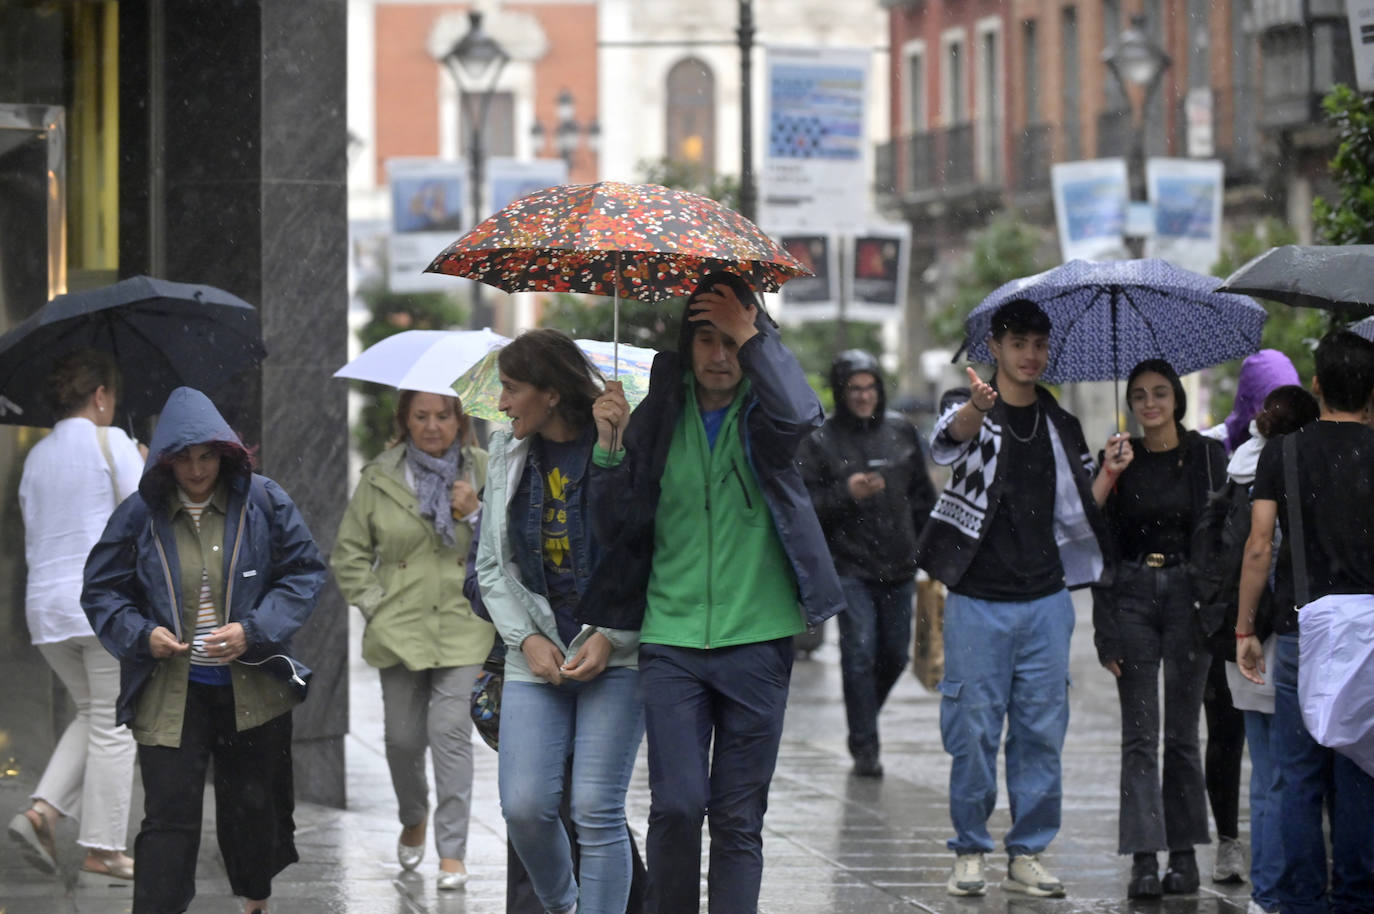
[
  {"x": 1337, "y": 278},
  {"x": 162, "y": 334}
]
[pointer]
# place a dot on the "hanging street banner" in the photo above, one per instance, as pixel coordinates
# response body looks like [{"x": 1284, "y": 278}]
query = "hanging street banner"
[
  {"x": 1360, "y": 15},
  {"x": 1090, "y": 208},
  {"x": 813, "y": 174},
  {"x": 876, "y": 266},
  {"x": 428, "y": 198},
  {"x": 510, "y": 179},
  {"x": 811, "y": 298},
  {"x": 1186, "y": 197}
]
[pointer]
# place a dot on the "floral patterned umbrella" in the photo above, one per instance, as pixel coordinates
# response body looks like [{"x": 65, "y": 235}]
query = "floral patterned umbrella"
[{"x": 641, "y": 241}]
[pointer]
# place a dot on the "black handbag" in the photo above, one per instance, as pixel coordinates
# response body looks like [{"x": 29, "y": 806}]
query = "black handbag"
[{"x": 484, "y": 706}]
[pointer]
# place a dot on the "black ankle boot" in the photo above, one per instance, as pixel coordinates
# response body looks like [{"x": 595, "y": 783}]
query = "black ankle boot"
[
  {"x": 1144, "y": 877},
  {"x": 1182, "y": 876}
]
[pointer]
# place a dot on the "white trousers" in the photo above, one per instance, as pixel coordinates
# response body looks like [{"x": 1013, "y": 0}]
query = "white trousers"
[{"x": 90, "y": 774}]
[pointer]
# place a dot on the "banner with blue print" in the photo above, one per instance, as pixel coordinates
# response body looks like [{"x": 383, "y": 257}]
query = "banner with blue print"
[
  {"x": 1186, "y": 197},
  {"x": 1090, "y": 208},
  {"x": 813, "y": 174}
]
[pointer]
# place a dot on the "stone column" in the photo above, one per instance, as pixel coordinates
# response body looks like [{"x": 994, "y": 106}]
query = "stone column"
[{"x": 233, "y": 127}]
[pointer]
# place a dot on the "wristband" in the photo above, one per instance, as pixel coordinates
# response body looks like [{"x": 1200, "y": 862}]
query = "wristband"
[
  {"x": 1241, "y": 636},
  {"x": 979, "y": 408}
]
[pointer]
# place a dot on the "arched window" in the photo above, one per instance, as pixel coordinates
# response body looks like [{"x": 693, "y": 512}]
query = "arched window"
[{"x": 691, "y": 112}]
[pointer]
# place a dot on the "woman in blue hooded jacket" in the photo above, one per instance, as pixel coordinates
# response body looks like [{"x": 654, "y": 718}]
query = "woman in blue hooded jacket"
[{"x": 196, "y": 587}]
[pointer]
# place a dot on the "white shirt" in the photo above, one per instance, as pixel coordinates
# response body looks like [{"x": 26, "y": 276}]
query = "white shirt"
[{"x": 66, "y": 497}]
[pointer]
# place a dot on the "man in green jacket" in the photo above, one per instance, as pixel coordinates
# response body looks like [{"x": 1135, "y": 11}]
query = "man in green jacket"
[{"x": 721, "y": 561}]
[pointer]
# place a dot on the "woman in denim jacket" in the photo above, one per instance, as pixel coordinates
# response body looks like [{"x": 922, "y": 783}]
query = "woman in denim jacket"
[{"x": 566, "y": 687}]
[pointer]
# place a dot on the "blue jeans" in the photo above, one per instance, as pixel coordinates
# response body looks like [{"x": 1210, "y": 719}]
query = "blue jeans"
[
  {"x": 600, "y": 724},
  {"x": 1266, "y": 838},
  {"x": 1005, "y": 661},
  {"x": 713, "y": 719},
  {"x": 1313, "y": 776},
  {"x": 875, "y": 645}
]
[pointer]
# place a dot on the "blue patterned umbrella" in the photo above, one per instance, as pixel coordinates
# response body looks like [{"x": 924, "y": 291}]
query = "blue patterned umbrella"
[{"x": 1109, "y": 316}]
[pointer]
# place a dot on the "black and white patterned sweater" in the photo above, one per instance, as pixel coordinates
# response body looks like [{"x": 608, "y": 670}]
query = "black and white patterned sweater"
[{"x": 957, "y": 522}]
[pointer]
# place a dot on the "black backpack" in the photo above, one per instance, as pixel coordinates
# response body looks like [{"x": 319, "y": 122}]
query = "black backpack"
[{"x": 1218, "y": 550}]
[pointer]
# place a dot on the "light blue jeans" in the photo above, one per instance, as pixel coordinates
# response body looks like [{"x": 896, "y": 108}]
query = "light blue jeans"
[
  {"x": 600, "y": 724},
  {"x": 1266, "y": 837},
  {"x": 1005, "y": 662}
]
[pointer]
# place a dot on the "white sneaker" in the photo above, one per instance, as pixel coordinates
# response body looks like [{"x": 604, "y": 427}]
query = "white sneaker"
[
  {"x": 967, "y": 878},
  {"x": 1254, "y": 907},
  {"x": 1027, "y": 875},
  {"x": 1230, "y": 862}
]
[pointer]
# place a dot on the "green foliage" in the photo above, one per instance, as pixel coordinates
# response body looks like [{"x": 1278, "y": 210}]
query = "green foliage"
[
  {"x": 1003, "y": 250},
  {"x": 724, "y": 189},
  {"x": 393, "y": 312},
  {"x": 816, "y": 343},
  {"x": 591, "y": 317},
  {"x": 1350, "y": 219},
  {"x": 1292, "y": 331}
]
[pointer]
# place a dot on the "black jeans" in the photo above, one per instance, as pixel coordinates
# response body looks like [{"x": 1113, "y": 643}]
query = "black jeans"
[
  {"x": 1225, "y": 745},
  {"x": 1159, "y": 625},
  {"x": 254, "y": 803},
  {"x": 713, "y": 719}
]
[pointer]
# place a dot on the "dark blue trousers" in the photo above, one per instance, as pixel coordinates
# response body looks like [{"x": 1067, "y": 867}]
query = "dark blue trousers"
[{"x": 736, "y": 696}]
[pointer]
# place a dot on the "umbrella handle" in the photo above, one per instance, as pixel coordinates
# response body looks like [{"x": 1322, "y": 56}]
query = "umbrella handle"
[{"x": 615, "y": 324}]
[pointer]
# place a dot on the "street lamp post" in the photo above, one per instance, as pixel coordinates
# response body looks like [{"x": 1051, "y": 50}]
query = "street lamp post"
[
  {"x": 1135, "y": 60},
  {"x": 748, "y": 189},
  {"x": 568, "y": 133},
  {"x": 476, "y": 61}
]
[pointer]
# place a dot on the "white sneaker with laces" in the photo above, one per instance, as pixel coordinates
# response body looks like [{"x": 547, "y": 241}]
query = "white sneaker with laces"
[
  {"x": 1027, "y": 875},
  {"x": 967, "y": 878},
  {"x": 1230, "y": 862}
]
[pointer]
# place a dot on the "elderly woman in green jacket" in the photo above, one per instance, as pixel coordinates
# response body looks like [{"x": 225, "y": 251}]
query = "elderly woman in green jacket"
[{"x": 400, "y": 559}]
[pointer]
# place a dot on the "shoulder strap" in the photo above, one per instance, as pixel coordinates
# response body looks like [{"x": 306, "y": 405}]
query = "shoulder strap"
[
  {"x": 1296, "y": 548},
  {"x": 102, "y": 435}
]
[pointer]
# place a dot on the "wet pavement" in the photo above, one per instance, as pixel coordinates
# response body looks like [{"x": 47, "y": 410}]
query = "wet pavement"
[{"x": 832, "y": 842}]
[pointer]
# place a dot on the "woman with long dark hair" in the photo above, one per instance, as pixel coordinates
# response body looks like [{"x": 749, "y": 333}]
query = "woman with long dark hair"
[
  {"x": 197, "y": 585},
  {"x": 1156, "y": 486},
  {"x": 568, "y": 688},
  {"x": 399, "y": 558}
]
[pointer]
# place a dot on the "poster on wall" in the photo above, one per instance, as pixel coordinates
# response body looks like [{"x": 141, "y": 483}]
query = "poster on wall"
[
  {"x": 510, "y": 179},
  {"x": 813, "y": 174},
  {"x": 427, "y": 215},
  {"x": 812, "y": 298},
  {"x": 876, "y": 270},
  {"x": 1090, "y": 208},
  {"x": 1186, "y": 197}
]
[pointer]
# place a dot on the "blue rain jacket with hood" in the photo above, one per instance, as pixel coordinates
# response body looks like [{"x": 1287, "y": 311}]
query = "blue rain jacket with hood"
[
  {"x": 780, "y": 410},
  {"x": 273, "y": 571}
]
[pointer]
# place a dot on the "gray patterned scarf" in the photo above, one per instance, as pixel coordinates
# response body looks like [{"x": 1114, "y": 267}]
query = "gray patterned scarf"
[{"x": 434, "y": 478}]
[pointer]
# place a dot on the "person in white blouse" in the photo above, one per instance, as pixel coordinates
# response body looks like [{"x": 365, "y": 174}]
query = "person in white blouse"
[{"x": 73, "y": 480}]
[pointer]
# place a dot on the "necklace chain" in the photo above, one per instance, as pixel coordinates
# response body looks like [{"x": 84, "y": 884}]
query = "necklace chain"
[{"x": 1034, "y": 428}]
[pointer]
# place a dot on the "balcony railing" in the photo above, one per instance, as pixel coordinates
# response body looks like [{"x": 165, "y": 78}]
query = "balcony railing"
[{"x": 943, "y": 163}]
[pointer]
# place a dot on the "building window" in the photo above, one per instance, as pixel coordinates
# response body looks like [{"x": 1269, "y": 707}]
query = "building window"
[
  {"x": 1030, "y": 76},
  {"x": 915, "y": 117},
  {"x": 1284, "y": 57},
  {"x": 1199, "y": 44},
  {"x": 955, "y": 80},
  {"x": 691, "y": 115},
  {"x": 1072, "y": 91},
  {"x": 1156, "y": 133},
  {"x": 498, "y": 131},
  {"x": 989, "y": 92},
  {"x": 1111, "y": 31}
]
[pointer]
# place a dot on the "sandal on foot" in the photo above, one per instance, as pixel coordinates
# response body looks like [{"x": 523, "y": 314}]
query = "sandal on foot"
[
  {"x": 116, "y": 867},
  {"x": 36, "y": 843}
]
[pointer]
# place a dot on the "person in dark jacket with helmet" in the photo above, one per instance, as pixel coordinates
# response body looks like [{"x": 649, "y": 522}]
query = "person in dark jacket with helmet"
[{"x": 867, "y": 477}]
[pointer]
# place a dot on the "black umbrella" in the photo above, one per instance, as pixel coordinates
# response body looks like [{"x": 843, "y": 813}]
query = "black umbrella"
[
  {"x": 1338, "y": 278},
  {"x": 162, "y": 334}
]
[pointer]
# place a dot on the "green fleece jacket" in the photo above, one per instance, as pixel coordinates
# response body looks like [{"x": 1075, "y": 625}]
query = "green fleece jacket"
[{"x": 720, "y": 575}]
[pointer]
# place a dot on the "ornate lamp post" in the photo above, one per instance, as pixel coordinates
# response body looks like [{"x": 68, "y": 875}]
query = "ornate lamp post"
[
  {"x": 1135, "y": 60},
  {"x": 476, "y": 61},
  {"x": 568, "y": 134}
]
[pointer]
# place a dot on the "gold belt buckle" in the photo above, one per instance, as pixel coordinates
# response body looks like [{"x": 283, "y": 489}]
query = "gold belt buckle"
[{"x": 1155, "y": 559}]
